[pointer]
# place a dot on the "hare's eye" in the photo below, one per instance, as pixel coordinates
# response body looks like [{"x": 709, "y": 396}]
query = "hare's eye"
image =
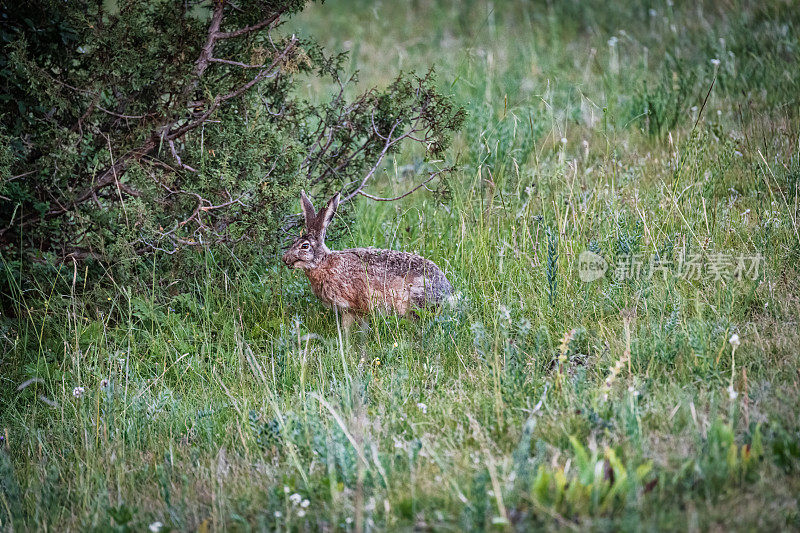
[{"x": 305, "y": 246}]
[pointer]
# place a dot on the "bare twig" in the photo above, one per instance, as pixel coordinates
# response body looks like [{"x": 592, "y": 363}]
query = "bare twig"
[
  {"x": 118, "y": 115},
  {"x": 28, "y": 173},
  {"x": 271, "y": 112},
  {"x": 181, "y": 164},
  {"x": 264, "y": 73},
  {"x": 705, "y": 101},
  {"x": 201, "y": 64},
  {"x": 250, "y": 29},
  {"x": 390, "y": 141},
  {"x": 268, "y": 72},
  {"x": 428, "y": 180},
  {"x": 234, "y": 63}
]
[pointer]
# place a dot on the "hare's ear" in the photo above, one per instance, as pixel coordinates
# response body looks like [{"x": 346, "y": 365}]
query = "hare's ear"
[
  {"x": 325, "y": 216},
  {"x": 308, "y": 210}
]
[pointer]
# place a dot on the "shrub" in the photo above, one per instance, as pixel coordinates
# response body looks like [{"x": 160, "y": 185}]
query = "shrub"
[{"x": 136, "y": 127}]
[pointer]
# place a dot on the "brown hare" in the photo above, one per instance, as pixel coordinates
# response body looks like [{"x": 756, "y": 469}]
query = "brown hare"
[{"x": 361, "y": 280}]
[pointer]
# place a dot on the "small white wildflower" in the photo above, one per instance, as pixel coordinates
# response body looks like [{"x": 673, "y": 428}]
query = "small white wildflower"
[
  {"x": 422, "y": 407},
  {"x": 732, "y": 394},
  {"x": 395, "y": 344},
  {"x": 305, "y": 503},
  {"x": 715, "y": 62},
  {"x": 734, "y": 340},
  {"x": 278, "y": 514},
  {"x": 301, "y": 513},
  {"x": 563, "y": 140},
  {"x": 285, "y": 489},
  {"x": 737, "y": 153},
  {"x": 612, "y": 42},
  {"x": 156, "y": 526},
  {"x": 78, "y": 392},
  {"x": 295, "y": 498},
  {"x": 103, "y": 383},
  {"x": 653, "y": 12}
]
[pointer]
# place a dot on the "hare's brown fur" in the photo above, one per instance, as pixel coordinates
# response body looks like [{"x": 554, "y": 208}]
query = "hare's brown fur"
[{"x": 361, "y": 280}]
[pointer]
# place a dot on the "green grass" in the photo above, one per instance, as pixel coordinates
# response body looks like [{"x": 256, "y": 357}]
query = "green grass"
[{"x": 535, "y": 399}]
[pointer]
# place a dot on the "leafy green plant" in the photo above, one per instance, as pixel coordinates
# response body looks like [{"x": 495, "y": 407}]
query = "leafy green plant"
[
  {"x": 267, "y": 434},
  {"x": 597, "y": 483},
  {"x": 723, "y": 459},
  {"x": 122, "y": 519},
  {"x": 785, "y": 448}
]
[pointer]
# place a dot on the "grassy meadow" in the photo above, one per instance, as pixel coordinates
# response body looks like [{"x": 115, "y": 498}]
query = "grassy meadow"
[{"x": 663, "y": 395}]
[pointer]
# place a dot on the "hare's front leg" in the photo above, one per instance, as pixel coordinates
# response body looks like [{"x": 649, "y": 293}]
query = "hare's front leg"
[{"x": 347, "y": 320}]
